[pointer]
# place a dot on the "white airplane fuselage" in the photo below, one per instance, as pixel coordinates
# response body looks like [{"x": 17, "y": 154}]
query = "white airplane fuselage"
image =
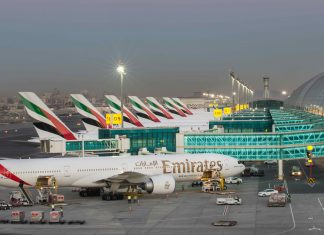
[{"x": 92, "y": 171}]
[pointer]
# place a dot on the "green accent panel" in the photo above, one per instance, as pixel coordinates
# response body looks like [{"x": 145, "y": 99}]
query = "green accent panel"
[
  {"x": 133, "y": 102},
  {"x": 81, "y": 106},
  {"x": 113, "y": 104},
  {"x": 149, "y": 138},
  {"x": 153, "y": 104},
  {"x": 33, "y": 107}
]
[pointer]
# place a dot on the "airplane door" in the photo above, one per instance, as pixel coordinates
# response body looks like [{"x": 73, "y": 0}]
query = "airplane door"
[
  {"x": 66, "y": 171},
  {"x": 226, "y": 165}
]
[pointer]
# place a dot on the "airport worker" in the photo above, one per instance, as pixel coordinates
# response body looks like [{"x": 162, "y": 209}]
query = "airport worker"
[
  {"x": 53, "y": 207},
  {"x": 61, "y": 211},
  {"x": 129, "y": 198},
  {"x": 135, "y": 199}
]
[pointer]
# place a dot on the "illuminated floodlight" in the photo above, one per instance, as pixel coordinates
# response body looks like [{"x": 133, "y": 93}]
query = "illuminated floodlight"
[{"x": 121, "y": 69}]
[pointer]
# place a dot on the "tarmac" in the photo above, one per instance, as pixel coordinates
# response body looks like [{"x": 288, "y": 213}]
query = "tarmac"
[{"x": 183, "y": 212}]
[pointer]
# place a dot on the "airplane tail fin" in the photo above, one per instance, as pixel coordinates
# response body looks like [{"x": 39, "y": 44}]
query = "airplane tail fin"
[
  {"x": 93, "y": 118},
  {"x": 158, "y": 108},
  {"x": 173, "y": 107},
  {"x": 51, "y": 125},
  {"x": 142, "y": 110},
  {"x": 114, "y": 105},
  {"x": 182, "y": 106}
]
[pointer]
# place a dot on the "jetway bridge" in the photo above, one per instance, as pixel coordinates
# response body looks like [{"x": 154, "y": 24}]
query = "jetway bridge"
[{"x": 293, "y": 131}]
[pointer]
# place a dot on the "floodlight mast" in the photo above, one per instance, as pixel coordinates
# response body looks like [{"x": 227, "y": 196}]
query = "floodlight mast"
[{"x": 121, "y": 70}]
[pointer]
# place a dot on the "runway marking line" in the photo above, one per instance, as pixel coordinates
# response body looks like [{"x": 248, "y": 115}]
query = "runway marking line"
[
  {"x": 292, "y": 215},
  {"x": 319, "y": 201}
]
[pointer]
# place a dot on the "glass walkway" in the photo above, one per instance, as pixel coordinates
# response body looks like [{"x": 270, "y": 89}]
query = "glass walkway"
[{"x": 293, "y": 133}]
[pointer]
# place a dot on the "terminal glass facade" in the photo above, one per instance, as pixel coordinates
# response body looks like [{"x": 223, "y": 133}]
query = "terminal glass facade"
[
  {"x": 235, "y": 126},
  {"x": 150, "y": 138},
  {"x": 92, "y": 145}
]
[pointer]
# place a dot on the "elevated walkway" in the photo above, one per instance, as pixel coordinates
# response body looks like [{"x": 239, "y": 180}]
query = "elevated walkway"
[{"x": 294, "y": 131}]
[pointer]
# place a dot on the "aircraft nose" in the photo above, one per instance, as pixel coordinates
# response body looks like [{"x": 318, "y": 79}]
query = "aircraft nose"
[{"x": 240, "y": 167}]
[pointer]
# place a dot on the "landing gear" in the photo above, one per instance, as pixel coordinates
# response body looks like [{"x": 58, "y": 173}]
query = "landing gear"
[
  {"x": 90, "y": 192},
  {"x": 110, "y": 196}
]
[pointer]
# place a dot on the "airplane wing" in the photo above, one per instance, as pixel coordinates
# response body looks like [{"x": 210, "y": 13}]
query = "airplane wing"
[
  {"x": 122, "y": 178},
  {"x": 125, "y": 177}
]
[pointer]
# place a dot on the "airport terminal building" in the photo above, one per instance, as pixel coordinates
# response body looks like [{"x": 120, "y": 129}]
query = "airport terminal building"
[{"x": 310, "y": 93}]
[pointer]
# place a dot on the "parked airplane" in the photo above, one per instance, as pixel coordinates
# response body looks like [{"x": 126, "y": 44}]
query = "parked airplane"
[
  {"x": 93, "y": 118},
  {"x": 182, "y": 106},
  {"x": 49, "y": 126},
  {"x": 173, "y": 107},
  {"x": 114, "y": 105},
  {"x": 142, "y": 110},
  {"x": 155, "y": 174},
  {"x": 158, "y": 108}
]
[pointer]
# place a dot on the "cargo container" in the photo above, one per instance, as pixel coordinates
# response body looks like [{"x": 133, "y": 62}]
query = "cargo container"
[
  {"x": 18, "y": 217},
  {"x": 55, "y": 198},
  {"x": 277, "y": 200},
  {"x": 37, "y": 217}
]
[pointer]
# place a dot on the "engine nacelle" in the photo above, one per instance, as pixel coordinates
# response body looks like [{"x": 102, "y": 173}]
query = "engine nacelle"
[{"x": 160, "y": 184}]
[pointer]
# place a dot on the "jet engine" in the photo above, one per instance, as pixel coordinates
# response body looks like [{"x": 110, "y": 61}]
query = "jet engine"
[{"x": 159, "y": 184}]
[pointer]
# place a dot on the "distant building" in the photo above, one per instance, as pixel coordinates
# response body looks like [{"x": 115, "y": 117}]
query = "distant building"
[{"x": 310, "y": 93}]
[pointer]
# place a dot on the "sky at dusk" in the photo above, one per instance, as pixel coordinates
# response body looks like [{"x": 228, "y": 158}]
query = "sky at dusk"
[{"x": 170, "y": 48}]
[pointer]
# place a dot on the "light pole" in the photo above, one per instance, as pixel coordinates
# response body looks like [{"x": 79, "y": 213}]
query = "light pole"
[
  {"x": 233, "y": 102},
  {"x": 121, "y": 71},
  {"x": 238, "y": 94}
]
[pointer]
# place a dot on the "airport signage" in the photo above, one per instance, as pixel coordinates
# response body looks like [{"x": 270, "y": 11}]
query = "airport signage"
[
  {"x": 227, "y": 111},
  {"x": 114, "y": 119},
  {"x": 218, "y": 113}
]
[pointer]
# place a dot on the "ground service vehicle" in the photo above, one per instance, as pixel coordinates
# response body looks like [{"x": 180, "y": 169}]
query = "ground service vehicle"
[
  {"x": 296, "y": 171},
  {"x": 309, "y": 163},
  {"x": 277, "y": 200},
  {"x": 4, "y": 205},
  {"x": 267, "y": 192},
  {"x": 229, "y": 201},
  {"x": 233, "y": 180},
  {"x": 196, "y": 183},
  {"x": 258, "y": 173},
  {"x": 270, "y": 162},
  {"x": 211, "y": 186},
  {"x": 18, "y": 199},
  {"x": 252, "y": 171}
]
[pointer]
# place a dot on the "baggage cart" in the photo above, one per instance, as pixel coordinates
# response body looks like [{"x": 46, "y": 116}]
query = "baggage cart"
[
  {"x": 37, "y": 217},
  {"x": 55, "y": 198},
  {"x": 18, "y": 217},
  {"x": 277, "y": 200},
  {"x": 55, "y": 217}
]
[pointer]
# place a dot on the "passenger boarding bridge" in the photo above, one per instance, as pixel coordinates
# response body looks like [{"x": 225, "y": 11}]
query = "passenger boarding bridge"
[{"x": 293, "y": 131}]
